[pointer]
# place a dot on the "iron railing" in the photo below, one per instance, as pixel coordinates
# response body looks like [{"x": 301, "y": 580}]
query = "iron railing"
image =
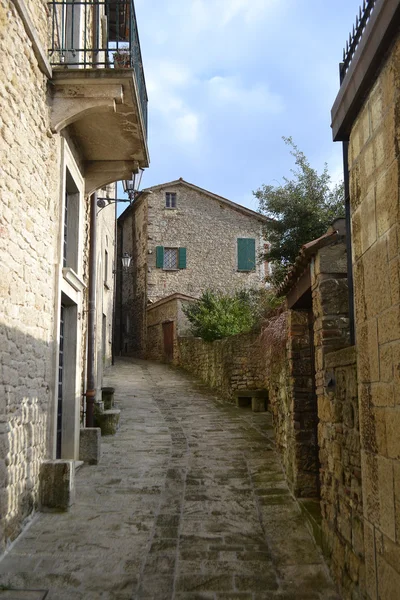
[
  {"x": 355, "y": 36},
  {"x": 97, "y": 34}
]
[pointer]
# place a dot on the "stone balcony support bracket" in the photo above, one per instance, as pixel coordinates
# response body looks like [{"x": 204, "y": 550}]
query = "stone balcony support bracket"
[
  {"x": 101, "y": 173},
  {"x": 100, "y": 110},
  {"x": 72, "y": 101}
]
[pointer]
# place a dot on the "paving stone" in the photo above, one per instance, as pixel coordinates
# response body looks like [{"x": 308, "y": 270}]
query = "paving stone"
[
  {"x": 23, "y": 594},
  {"x": 189, "y": 502}
]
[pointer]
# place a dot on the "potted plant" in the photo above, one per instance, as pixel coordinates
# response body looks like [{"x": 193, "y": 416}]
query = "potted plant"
[{"x": 122, "y": 59}]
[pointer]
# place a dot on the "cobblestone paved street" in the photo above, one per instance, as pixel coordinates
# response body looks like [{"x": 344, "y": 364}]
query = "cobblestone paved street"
[{"x": 189, "y": 502}]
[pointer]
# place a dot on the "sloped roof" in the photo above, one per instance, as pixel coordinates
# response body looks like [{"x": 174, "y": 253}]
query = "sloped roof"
[
  {"x": 233, "y": 205},
  {"x": 174, "y": 296}
]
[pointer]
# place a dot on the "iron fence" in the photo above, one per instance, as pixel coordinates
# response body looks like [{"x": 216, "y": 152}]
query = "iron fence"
[
  {"x": 355, "y": 35},
  {"x": 97, "y": 34}
]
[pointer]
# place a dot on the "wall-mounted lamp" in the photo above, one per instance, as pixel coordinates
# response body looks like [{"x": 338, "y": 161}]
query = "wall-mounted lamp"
[
  {"x": 131, "y": 186},
  {"x": 126, "y": 261}
]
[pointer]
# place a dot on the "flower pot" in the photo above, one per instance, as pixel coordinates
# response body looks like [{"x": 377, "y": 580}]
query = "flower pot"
[{"x": 122, "y": 60}]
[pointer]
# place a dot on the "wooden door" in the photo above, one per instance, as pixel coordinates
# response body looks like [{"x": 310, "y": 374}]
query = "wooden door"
[{"x": 168, "y": 334}]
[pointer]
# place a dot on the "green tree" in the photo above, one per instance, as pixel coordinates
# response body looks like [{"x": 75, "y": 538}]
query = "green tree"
[{"x": 300, "y": 210}]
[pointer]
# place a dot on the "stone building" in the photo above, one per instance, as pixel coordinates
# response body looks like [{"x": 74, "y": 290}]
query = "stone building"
[
  {"x": 366, "y": 118},
  {"x": 183, "y": 239},
  {"x": 70, "y": 124}
]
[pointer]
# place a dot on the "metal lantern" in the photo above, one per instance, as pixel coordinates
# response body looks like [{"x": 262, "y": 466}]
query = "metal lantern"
[{"x": 126, "y": 260}]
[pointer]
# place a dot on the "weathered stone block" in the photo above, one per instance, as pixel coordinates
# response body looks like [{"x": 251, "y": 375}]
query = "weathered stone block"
[
  {"x": 387, "y": 193},
  {"x": 389, "y": 325},
  {"x": 370, "y": 560},
  {"x": 56, "y": 485},
  {"x": 382, "y": 394},
  {"x": 376, "y": 278},
  {"x": 368, "y": 221},
  {"x": 368, "y": 352},
  {"x": 392, "y": 238},
  {"x": 388, "y": 580},
  {"x": 107, "y": 396},
  {"x": 393, "y": 433},
  {"x": 108, "y": 421},
  {"x": 90, "y": 445}
]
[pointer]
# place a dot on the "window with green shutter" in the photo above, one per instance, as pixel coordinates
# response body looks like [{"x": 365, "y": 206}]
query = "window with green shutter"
[
  {"x": 170, "y": 259},
  {"x": 182, "y": 258},
  {"x": 160, "y": 257},
  {"x": 246, "y": 254}
]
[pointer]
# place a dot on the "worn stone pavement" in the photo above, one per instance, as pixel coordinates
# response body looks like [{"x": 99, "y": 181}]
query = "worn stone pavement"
[{"x": 189, "y": 502}]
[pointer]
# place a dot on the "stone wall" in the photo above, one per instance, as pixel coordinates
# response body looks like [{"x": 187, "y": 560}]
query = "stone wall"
[
  {"x": 133, "y": 239},
  {"x": 29, "y": 228},
  {"x": 105, "y": 284},
  {"x": 374, "y": 160},
  {"x": 209, "y": 230},
  {"x": 167, "y": 309},
  {"x": 226, "y": 365},
  {"x": 338, "y": 427},
  {"x": 292, "y": 400},
  {"x": 340, "y": 474}
]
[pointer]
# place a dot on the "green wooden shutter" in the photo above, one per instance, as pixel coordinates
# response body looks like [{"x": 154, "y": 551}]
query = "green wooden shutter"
[
  {"x": 160, "y": 257},
  {"x": 246, "y": 254},
  {"x": 182, "y": 258}
]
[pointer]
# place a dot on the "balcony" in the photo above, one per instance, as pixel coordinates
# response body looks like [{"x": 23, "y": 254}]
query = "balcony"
[{"x": 98, "y": 86}]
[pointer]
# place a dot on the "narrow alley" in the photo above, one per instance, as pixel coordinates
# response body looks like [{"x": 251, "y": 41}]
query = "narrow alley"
[{"x": 189, "y": 501}]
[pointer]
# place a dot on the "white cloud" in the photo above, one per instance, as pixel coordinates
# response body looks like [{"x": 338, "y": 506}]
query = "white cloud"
[
  {"x": 207, "y": 13},
  {"x": 187, "y": 128},
  {"x": 230, "y": 90},
  {"x": 168, "y": 84}
]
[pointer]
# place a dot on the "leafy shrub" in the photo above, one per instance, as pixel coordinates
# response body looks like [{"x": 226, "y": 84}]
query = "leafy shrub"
[{"x": 215, "y": 315}]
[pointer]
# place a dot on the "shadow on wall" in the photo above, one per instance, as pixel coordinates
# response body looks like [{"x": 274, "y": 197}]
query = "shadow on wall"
[{"x": 25, "y": 394}]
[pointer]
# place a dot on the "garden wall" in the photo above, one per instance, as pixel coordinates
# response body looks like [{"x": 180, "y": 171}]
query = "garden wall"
[{"x": 226, "y": 365}]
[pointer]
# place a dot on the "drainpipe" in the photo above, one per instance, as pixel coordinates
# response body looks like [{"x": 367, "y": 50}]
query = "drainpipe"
[
  {"x": 348, "y": 227},
  {"x": 114, "y": 313},
  {"x": 121, "y": 281},
  {"x": 90, "y": 375},
  {"x": 96, "y": 34}
]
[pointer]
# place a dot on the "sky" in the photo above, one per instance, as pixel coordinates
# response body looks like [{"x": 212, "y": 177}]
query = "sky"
[{"x": 226, "y": 79}]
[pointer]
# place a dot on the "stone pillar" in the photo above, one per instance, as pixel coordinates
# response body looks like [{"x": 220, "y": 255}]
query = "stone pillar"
[
  {"x": 56, "y": 485},
  {"x": 90, "y": 445}
]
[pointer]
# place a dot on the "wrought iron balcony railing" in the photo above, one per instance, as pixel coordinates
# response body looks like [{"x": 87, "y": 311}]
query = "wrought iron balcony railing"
[
  {"x": 97, "y": 34},
  {"x": 355, "y": 36}
]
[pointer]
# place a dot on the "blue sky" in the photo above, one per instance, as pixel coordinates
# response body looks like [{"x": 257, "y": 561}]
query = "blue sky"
[{"x": 227, "y": 79}]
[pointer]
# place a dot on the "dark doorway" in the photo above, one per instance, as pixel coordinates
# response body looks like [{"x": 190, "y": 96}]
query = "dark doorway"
[
  {"x": 60, "y": 382},
  {"x": 168, "y": 335}
]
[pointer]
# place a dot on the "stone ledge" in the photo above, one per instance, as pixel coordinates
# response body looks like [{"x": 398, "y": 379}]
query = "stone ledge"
[{"x": 341, "y": 358}]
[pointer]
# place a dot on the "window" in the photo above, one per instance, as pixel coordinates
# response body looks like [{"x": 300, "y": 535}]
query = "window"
[
  {"x": 246, "y": 248},
  {"x": 71, "y": 224},
  {"x": 170, "y": 259},
  {"x": 170, "y": 200}
]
